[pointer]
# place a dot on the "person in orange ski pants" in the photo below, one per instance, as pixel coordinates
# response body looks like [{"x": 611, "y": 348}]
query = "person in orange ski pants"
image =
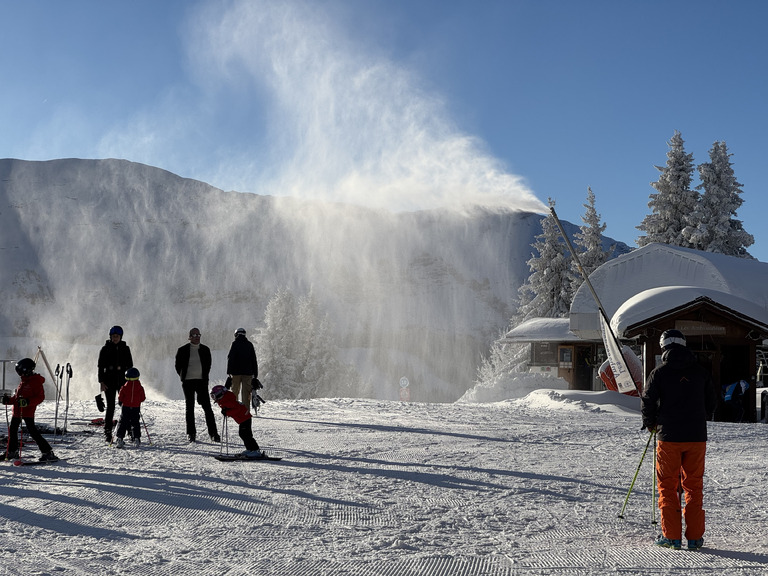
[{"x": 678, "y": 399}]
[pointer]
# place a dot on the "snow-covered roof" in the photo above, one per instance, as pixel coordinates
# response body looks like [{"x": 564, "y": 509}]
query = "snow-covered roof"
[
  {"x": 542, "y": 330},
  {"x": 632, "y": 281},
  {"x": 656, "y": 301}
]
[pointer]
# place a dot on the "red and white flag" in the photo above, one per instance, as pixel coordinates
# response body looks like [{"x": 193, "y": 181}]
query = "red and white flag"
[{"x": 624, "y": 381}]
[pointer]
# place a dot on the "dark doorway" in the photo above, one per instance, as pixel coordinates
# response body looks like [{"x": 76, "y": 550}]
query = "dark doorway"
[{"x": 736, "y": 393}]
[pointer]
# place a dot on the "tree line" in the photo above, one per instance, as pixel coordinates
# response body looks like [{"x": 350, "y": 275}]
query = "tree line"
[{"x": 703, "y": 218}]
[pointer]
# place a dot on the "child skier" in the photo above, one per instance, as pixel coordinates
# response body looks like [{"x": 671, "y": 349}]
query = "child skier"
[
  {"x": 229, "y": 405},
  {"x": 28, "y": 395},
  {"x": 131, "y": 396}
]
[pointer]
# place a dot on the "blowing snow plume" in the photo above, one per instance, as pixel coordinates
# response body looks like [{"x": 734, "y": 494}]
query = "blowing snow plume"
[
  {"x": 344, "y": 124},
  {"x": 412, "y": 239},
  {"x": 350, "y": 127}
]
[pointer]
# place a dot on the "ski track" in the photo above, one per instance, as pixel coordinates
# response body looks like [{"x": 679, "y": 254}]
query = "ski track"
[{"x": 375, "y": 488}]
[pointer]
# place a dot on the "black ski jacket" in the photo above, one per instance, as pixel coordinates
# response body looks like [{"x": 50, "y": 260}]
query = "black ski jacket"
[
  {"x": 679, "y": 398},
  {"x": 241, "y": 359},
  {"x": 114, "y": 360},
  {"x": 182, "y": 360}
]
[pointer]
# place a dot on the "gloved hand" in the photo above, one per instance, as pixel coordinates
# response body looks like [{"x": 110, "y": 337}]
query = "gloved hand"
[
  {"x": 22, "y": 402},
  {"x": 223, "y": 412},
  {"x": 256, "y": 384},
  {"x": 6, "y": 399},
  {"x": 228, "y": 383}
]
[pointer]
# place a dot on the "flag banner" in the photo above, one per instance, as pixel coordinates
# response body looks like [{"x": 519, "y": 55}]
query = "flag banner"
[{"x": 624, "y": 381}]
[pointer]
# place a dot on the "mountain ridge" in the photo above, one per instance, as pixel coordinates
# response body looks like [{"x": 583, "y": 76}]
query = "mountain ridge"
[{"x": 86, "y": 244}]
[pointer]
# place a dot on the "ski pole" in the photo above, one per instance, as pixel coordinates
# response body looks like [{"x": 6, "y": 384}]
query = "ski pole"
[
  {"x": 59, "y": 375},
  {"x": 8, "y": 422},
  {"x": 66, "y": 408},
  {"x": 653, "y": 482},
  {"x": 650, "y": 436},
  {"x": 225, "y": 432},
  {"x": 21, "y": 430},
  {"x": 149, "y": 440}
]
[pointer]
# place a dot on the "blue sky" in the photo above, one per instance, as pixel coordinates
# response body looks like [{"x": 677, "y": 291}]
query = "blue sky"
[{"x": 402, "y": 104}]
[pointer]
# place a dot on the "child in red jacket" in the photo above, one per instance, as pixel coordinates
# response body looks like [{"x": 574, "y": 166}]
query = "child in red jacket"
[
  {"x": 229, "y": 405},
  {"x": 28, "y": 395},
  {"x": 131, "y": 396}
]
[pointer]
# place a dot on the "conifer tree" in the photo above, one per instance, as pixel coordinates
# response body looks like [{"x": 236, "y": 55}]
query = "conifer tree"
[
  {"x": 547, "y": 292},
  {"x": 278, "y": 345},
  {"x": 714, "y": 227},
  {"x": 674, "y": 202},
  {"x": 298, "y": 352},
  {"x": 589, "y": 242}
]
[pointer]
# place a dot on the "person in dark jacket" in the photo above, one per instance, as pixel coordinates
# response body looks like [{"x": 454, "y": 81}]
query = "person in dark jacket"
[
  {"x": 678, "y": 399},
  {"x": 193, "y": 365},
  {"x": 242, "y": 366},
  {"x": 114, "y": 359}
]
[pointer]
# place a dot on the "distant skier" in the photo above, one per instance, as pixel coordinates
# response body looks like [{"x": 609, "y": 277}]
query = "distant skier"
[
  {"x": 114, "y": 359},
  {"x": 231, "y": 408},
  {"x": 678, "y": 399},
  {"x": 131, "y": 396},
  {"x": 242, "y": 365},
  {"x": 28, "y": 395}
]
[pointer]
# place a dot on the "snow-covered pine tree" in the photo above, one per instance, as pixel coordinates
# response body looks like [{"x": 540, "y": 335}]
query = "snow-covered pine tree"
[
  {"x": 322, "y": 374},
  {"x": 547, "y": 292},
  {"x": 589, "y": 243},
  {"x": 714, "y": 227},
  {"x": 504, "y": 361},
  {"x": 279, "y": 344},
  {"x": 674, "y": 202},
  {"x": 298, "y": 352}
]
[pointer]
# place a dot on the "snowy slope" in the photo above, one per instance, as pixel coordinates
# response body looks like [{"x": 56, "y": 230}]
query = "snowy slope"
[
  {"x": 85, "y": 244},
  {"x": 526, "y": 486}
]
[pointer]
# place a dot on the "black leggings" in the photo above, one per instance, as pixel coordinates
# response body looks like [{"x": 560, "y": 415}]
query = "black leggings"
[{"x": 13, "y": 435}]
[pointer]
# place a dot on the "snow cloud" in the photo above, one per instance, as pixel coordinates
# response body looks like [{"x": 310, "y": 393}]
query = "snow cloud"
[{"x": 335, "y": 120}]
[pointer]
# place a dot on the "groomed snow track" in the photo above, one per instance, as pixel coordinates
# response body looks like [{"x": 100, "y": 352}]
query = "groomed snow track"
[{"x": 371, "y": 489}]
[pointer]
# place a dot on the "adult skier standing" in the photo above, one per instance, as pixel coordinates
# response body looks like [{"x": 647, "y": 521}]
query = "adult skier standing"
[
  {"x": 242, "y": 366},
  {"x": 193, "y": 365},
  {"x": 678, "y": 399},
  {"x": 114, "y": 359}
]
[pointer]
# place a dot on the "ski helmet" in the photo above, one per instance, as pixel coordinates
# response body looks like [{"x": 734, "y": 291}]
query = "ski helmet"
[
  {"x": 671, "y": 337},
  {"x": 116, "y": 330},
  {"x": 239, "y": 331},
  {"x": 132, "y": 374},
  {"x": 217, "y": 392},
  {"x": 25, "y": 367}
]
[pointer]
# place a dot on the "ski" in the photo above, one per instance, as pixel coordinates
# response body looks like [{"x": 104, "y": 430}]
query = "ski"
[
  {"x": 236, "y": 457},
  {"x": 35, "y": 462}
]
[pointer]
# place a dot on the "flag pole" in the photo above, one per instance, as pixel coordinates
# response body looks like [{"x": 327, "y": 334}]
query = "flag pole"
[{"x": 607, "y": 321}]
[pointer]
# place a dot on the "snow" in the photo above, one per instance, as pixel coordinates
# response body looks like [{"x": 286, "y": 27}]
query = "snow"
[
  {"x": 657, "y": 301},
  {"x": 739, "y": 283},
  {"x": 542, "y": 330},
  {"x": 529, "y": 485}
]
